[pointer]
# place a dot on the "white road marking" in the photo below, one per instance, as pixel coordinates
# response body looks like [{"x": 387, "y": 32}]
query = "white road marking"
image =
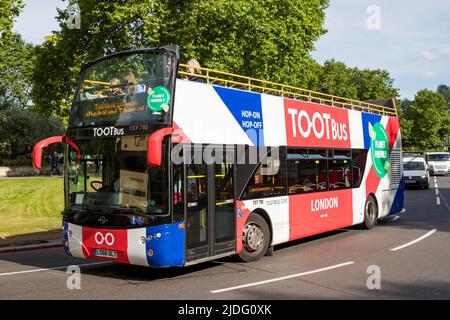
[
  {"x": 437, "y": 191},
  {"x": 393, "y": 218},
  {"x": 414, "y": 241},
  {"x": 53, "y": 268},
  {"x": 445, "y": 201},
  {"x": 438, "y": 201},
  {"x": 283, "y": 278}
]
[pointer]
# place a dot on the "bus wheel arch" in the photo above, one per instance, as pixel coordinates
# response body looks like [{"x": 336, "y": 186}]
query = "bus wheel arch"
[
  {"x": 371, "y": 212},
  {"x": 256, "y": 236}
]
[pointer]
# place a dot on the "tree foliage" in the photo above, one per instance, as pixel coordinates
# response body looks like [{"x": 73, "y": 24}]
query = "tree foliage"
[
  {"x": 9, "y": 10},
  {"x": 21, "y": 128},
  {"x": 360, "y": 84},
  {"x": 426, "y": 121},
  {"x": 15, "y": 72},
  {"x": 269, "y": 39},
  {"x": 445, "y": 91}
]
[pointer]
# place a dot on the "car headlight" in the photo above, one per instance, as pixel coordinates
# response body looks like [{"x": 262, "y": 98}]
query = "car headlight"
[{"x": 423, "y": 177}]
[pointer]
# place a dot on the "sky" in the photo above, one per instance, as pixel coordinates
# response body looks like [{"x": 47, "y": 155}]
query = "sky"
[{"x": 409, "y": 38}]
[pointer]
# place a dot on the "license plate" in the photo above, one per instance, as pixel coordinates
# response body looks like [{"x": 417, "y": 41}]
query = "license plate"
[
  {"x": 410, "y": 181},
  {"x": 105, "y": 253}
]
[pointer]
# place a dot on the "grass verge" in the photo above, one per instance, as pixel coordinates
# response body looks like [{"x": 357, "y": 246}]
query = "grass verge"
[{"x": 29, "y": 205}]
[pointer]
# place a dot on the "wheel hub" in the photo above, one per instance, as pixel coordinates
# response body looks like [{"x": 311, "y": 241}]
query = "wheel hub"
[{"x": 253, "y": 237}]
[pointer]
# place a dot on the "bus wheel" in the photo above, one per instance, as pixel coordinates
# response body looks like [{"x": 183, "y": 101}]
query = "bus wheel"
[
  {"x": 255, "y": 238},
  {"x": 370, "y": 213}
]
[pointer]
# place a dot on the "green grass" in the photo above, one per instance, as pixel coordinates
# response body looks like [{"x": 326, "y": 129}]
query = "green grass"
[{"x": 29, "y": 205}]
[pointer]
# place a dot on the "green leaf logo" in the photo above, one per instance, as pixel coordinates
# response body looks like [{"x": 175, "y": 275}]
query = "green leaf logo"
[
  {"x": 379, "y": 146},
  {"x": 372, "y": 133}
]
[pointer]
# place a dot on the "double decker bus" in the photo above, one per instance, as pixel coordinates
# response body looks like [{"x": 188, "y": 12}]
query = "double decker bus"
[{"x": 161, "y": 171}]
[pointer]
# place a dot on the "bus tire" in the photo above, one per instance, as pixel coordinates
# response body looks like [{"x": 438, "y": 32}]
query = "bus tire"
[
  {"x": 370, "y": 213},
  {"x": 255, "y": 238}
]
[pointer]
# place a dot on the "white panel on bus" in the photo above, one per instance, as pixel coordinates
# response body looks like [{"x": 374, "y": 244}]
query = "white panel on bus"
[
  {"x": 356, "y": 129},
  {"x": 359, "y": 200},
  {"x": 203, "y": 117},
  {"x": 274, "y": 121},
  {"x": 75, "y": 240},
  {"x": 278, "y": 210},
  {"x": 136, "y": 247}
]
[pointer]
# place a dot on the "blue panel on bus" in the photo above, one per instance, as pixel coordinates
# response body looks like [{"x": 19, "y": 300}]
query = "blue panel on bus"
[
  {"x": 366, "y": 118},
  {"x": 397, "y": 204},
  {"x": 246, "y": 109},
  {"x": 168, "y": 250}
]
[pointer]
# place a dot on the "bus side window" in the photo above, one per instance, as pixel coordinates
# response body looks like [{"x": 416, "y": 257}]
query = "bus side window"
[
  {"x": 268, "y": 180},
  {"x": 339, "y": 165},
  {"x": 358, "y": 165}
]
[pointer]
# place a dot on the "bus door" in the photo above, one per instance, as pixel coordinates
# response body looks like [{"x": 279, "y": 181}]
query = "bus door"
[{"x": 210, "y": 210}]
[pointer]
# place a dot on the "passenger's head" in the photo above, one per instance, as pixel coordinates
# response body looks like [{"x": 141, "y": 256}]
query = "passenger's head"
[
  {"x": 129, "y": 78},
  {"x": 193, "y": 63},
  {"x": 114, "y": 82},
  {"x": 169, "y": 65}
]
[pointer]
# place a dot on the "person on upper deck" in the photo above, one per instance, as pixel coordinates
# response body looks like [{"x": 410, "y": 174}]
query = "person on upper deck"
[
  {"x": 194, "y": 71},
  {"x": 132, "y": 86}
]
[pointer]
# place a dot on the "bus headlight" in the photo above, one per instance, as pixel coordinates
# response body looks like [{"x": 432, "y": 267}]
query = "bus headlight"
[{"x": 158, "y": 235}]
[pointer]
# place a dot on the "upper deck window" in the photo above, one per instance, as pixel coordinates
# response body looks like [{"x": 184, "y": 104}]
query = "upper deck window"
[{"x": 126, "y": 89}]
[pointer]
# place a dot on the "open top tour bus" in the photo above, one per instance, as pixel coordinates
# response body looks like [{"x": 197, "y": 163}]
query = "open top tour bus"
[{"x": 161, "y": 171}]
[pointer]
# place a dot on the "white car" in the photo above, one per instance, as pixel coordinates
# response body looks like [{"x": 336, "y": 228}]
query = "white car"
[
  {"x": 438, "y": 162},
  {"x": 415, "y": 172}
]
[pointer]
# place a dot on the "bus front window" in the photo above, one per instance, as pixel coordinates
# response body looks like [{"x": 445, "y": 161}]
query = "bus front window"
[
  {"x": 111, "y": 177},
  {"x": 125, "y": 89}
]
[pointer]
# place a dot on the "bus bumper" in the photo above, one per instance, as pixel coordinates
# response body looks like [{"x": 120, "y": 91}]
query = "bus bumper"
[{"x": 156, "y": 246}]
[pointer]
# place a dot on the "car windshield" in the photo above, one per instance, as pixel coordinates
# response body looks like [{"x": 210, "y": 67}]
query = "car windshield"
[
  {"x": 111, "y": 175},
  {"x": 413, "y": 165},
  {"x": 439, "y": 157}
]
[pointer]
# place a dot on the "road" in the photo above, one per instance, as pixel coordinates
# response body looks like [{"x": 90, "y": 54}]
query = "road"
[{"x": 410, "y": 253}]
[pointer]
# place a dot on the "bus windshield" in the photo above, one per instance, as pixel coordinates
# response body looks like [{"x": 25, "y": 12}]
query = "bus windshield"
[
  {"x": 111, "y": 176},
  {"x": 130, "y": 88}
]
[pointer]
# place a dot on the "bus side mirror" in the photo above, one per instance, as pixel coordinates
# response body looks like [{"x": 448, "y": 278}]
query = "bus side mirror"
[
  {"x": 39, "y": 147},
  {"x": 154, "y": 146}
]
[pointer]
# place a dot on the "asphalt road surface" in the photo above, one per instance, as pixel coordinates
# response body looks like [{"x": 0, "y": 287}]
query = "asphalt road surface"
[{"x": 409, "y": 255}]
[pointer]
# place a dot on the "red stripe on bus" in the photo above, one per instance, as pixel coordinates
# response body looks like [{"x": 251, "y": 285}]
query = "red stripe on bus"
[{"x": 314, "y": 213}]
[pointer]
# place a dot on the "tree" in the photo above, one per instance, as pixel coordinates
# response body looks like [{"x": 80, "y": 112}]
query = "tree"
[
  {"x": 9, "y": 10},
  {"x": 375, "y": 85},
  {"x": 240, "y": 36},
  {"x": 15, "y": 83},
  {"x": 427, "y": 120},
  {"x": 338, "y": 79},
  {"x": 445, "y": 91},
  {"x": 21, "y": 128}
]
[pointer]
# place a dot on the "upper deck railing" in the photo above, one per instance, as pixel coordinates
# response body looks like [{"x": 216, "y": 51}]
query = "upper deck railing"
[{"x": 256, "y": 85}]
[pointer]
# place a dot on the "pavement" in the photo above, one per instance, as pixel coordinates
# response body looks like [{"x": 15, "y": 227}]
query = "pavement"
[
  {"x": 403, "y": 257},
  {"x": 45, "y": 239}
]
